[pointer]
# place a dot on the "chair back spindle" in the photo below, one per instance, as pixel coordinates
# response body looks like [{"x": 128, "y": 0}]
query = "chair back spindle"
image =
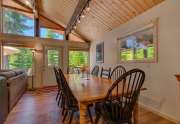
[
  {"x": 117, "y": 72},
  {"x": 57, "y": 78}
]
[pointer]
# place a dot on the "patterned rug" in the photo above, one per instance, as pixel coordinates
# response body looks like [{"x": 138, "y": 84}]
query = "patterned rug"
[{"x": 44, "y": 90}]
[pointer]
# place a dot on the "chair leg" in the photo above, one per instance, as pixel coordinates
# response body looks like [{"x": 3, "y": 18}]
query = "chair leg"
[
  {"x": 63, "y": 106},
  {"x": 97, "y": 118},
  {"x": 65, "y": 115},
  {"x": 72, "y": 114},
  {"x": 63, "y": 109},
  {"x": 57, "y": 95},
  {"x": 60, "y": 96},
  {"x": 62, "y": 101},
  {"x": 59, "y": 100},
  {"x": 90, "y": 115}
]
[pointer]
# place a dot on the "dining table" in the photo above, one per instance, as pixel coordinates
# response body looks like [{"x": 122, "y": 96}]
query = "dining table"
[{"x": 89, "y": 89}]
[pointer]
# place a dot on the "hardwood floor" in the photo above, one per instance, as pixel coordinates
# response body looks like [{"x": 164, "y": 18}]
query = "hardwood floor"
[{"x": 40, "y": 107}]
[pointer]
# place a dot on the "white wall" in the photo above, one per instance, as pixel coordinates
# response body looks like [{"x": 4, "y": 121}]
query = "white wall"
[{"x": 163, "y": 93}]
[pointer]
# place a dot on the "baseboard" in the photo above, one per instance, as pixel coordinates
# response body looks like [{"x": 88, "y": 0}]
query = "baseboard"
[{"x": 168, "y": 117}]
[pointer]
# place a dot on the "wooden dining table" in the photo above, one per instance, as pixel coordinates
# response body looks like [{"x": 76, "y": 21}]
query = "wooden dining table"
[{"x": 90, "y": 89}]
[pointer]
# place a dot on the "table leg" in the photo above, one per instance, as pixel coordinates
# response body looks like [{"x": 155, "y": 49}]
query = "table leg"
[
  {"x": 135, "y": 113},
  {"x": 82, "y": 111}
]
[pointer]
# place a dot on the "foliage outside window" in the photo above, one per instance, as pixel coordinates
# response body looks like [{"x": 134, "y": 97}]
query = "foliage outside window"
[
  {"x": 50, "y": 33},
  {"x": 78, "y": 58},
  {"x": 53, "y": 57},
  {"x": 127, "y": 54},
  {"x": 21, "y": 59},
  {"x": 139, "y": 46},
  {"x": 15, "y": 22}
]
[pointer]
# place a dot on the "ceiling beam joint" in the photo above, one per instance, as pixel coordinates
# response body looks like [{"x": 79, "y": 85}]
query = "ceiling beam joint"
[{"x": 82, "y": 4}]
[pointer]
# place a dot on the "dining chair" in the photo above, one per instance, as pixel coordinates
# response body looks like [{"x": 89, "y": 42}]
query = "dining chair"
[
  {"x": 59, "y": 94},
  {"x": 95, "y": 71},
  {"x": 117, "y": 72},
  {"x": 105, "y": 73},
  {"x": 118, "y": 105},
  {"x": 76, "y": 70},
  {"x": 71, "y": 104}
]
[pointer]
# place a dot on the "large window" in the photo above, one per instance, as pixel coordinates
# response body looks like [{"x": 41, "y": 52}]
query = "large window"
[
  {"x": 139, "y": 46},
  {"x": 77, "y": 60},
  {"x": 16, "y": 22},
  {"x": 15, "y": 57},
  {"x": 51, "y": 33}
]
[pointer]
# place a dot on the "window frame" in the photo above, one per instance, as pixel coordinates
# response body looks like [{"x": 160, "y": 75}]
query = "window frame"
[
  {"x": 46, "y": 27},
  {"x": 18, "y": 46},
  {"x": 18, "y": 11},
  {"x": 152, "y": 24}
]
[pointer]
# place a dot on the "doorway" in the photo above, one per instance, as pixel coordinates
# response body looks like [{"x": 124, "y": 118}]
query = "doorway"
[{"x": 53, "y": 57}]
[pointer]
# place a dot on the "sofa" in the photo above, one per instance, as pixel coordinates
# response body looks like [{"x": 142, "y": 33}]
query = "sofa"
[
  {"x": 16, "y": 82},
  {"x": 3, "y": 100}
]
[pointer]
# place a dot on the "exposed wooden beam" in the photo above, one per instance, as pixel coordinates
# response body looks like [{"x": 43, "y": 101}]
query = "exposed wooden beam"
[
  {"x": 22, "y": 4},
  {"x": 77, "y": 12},
  {"x": 36, "y": 9},
  {"x": 60, "y": 26},
  {"x": 77, "y": 34},
  {"x": 11, "y": 7},
  {"x": 37, "y": 27}
]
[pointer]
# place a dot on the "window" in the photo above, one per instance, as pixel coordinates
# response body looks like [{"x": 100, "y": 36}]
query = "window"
[
  {"x": 53, "y": 57},
  {"x": 78, "y": 58},
  {"x": 16, "y": 22},
  {"x": 14, "y": 57},
  {"x": 139, "y": 46},
  {"x": 51, "y": 33}
]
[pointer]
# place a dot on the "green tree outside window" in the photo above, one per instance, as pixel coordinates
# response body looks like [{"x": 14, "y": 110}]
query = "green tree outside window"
[
  {"x": 78, "y": 58},
  {"x": 15, "y": 23}
]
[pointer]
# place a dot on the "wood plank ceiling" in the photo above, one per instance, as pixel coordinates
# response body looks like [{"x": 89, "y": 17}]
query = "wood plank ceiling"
[
  {"x": 103, "y": 16},
  {"x": 58, "y": 10}
]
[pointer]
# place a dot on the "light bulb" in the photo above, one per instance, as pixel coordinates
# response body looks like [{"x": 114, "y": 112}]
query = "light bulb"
[
  {"x": 28, "y": 3},
  {"x": 75, "y": 27},
  {"x": 79, "y": 21},
  {"x": 88, "y": 9},
  {"x": 82, "y": 16}
]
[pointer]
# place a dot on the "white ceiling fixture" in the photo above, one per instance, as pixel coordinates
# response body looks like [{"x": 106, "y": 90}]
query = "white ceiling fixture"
[{"x": 10, "y": 50}]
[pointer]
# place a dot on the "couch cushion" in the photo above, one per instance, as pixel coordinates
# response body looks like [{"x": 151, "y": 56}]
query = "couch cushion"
[
  {"x": 19, "y": 71},
  {"x": 8, "y": 74},
  {"x": 5, "y": 70}
]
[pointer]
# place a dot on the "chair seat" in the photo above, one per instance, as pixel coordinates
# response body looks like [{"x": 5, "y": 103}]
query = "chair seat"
[{"x": 111, "y": 111}]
